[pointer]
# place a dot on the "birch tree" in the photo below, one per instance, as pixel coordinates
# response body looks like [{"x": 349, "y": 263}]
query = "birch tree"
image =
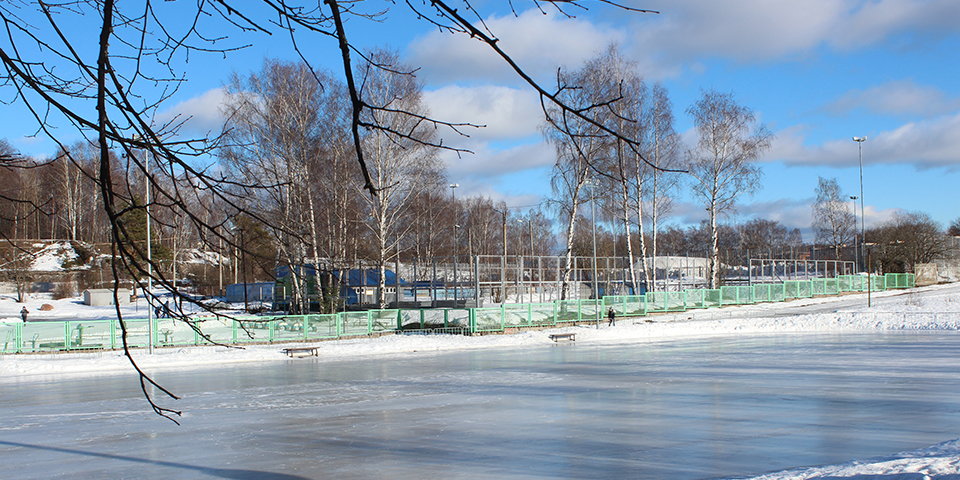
[
  {"x": 664, "y": 153},
  {"x": 722, "y": 161},
  {"x": 400, "y": 158},
  {"x": 833, "y": 219},
  {"x": 275, "y": 130}
]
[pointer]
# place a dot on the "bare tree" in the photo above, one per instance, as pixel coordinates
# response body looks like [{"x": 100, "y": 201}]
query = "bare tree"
[
  {"x": 722, "y": 162},
  {"x": 400, "y": 157},
  {"x": 274, "y": 124},
  {"x": 833, "y": 221},
  {"x": 906, "y": 240},
  {"x": 665, "y": 155},
  {"x": 954, "y": 228}
]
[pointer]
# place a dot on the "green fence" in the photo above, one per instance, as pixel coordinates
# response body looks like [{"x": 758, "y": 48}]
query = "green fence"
[{"x": 39, "y": 337}]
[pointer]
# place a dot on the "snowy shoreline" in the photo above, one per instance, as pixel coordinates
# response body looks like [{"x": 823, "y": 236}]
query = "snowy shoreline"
[{"x": 935, "y": 308}]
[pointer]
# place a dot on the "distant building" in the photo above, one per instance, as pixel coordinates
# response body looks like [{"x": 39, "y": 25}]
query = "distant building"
[
  {"x": 255, "y": 292},
  {"x": 358, "y": 287},
  {"x": 104, "y": 296}
]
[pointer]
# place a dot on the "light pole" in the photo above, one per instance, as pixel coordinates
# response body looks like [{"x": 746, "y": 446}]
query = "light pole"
[
  {"x": 456, "y": 214},
  {"x": 149, "y": 295},
  {"x": 863, "y": 239},
  {"x": 593, "y": 213},
  {"x": 856, "y": 254},
  {"x": 503, "y": 261}
]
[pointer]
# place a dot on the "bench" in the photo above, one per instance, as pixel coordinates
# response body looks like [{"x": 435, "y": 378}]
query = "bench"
[
  {"x": 565, "y": 336},
  {"x": 301, "y": 351}
]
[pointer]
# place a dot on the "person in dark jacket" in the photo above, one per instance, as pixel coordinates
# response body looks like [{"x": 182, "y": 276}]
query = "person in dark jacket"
[
  {"x": 612, "y": 316},
  {"x": 23, "y": 314}
]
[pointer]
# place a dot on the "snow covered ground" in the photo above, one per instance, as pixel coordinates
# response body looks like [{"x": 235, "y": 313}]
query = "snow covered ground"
[{"x": 927, "y": 308}]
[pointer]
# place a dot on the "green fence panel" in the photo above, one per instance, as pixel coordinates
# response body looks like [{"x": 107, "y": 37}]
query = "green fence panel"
[
  {"x": 218, "y": 329},
  {"x": 877, "y": 283},
  {"x": 635, "y": 306},
  {"x": 818, "y": 286},
  {"x": 138, "y": 333},
  {"x": 384, "y": 320},
  {"x": 702, "y": 298},
  {"x": 568, "y": 311},
  {"x": 831, "y": 286},
  {"x": 761, "y": 293},
  {"x": 354, "y": 323},
  {"x": 676, "y": 301},
  {"x": 87, "y": 335},
  {"x": 457, "y": 317},
  {"x": 590, "y": 310},
  {"x": 516, "y": 315},
  {"x": 805, "y": 289},
  {"x": 170, "y": 332},
  {"x": 729, "y": 295},
  {"x": 487, "y": 320},
  {"x": 42, "y": 336},
  {"x": 626, "y": 305},
  {"x": 666, "y": 301},
  {"x": 746, "y": 295},
  {"x": 898, "y": 280},
  {"x": 412, "y": 320},
  {"x": 777, "y": 292},
  {"x": 543, "y": 314},
  {"x": 11, "y": 335},
  {"x": 323, "y": 326},
  {"x": 791, "y": 289},
  {"x": 612, "y": 301},
  {"x": 285, "y": 329},
  {"x": 656, "y": 302}
]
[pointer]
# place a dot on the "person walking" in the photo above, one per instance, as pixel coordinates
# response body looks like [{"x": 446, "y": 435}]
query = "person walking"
[
  {"x": 612, "y": 316},
  {"x": 23, "y": 314}
]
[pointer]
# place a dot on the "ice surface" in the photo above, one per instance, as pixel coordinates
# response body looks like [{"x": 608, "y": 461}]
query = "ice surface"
[
  {"x": 733, "y": 392},
  {"x": 703, "y": 408}
]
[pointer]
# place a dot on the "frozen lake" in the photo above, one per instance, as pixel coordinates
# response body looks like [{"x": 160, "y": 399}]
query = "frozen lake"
[{"x": 701, "y": 408}]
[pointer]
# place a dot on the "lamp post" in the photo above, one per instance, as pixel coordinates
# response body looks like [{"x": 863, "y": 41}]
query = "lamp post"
[
  {"x": 503, "y": 261},
  {"x": 863, "y": 239},
  {"x": 456, "y": 214},
  {"x": 593, "y": 213},
  {"x": 149, "y": 295},
  {"x": 856, "y": 254}
]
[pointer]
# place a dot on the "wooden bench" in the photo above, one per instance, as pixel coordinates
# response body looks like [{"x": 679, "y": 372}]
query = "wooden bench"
[
  {"x": 565, "y": 336},
  {"x": 301, "y": 351}
]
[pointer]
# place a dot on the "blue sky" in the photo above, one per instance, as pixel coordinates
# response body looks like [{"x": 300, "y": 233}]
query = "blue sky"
[{"x": 816, "y": 73}]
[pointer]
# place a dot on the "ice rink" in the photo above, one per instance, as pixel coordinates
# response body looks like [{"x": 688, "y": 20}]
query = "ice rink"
[{"x": 681, "y": 409}]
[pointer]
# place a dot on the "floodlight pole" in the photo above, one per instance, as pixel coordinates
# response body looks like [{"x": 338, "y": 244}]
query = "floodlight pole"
[
  {"x": 863, "y": 239},
  {"x": 856, "y": 253},
  {"x": 503, "y": 261},
  {"x": 149, "y": 295},
  {"x": 456, "y": 214},
  {"x": 593, "y": 212}
]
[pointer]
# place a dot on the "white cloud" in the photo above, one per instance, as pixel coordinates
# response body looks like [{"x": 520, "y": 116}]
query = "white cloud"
[
  {"x": 538, "y": 42},
  {"x": 201, "y": 114},
  {"x": 929, "y": 144},
  {"x": 504, "y": 112},
  {"x": 745, "y": 30},
  {"x": 762, "y": 30},
  {"x": 876, "y": 21},
  {"x": 903, "y": 97},
  {"x": 490, "y": 163}
]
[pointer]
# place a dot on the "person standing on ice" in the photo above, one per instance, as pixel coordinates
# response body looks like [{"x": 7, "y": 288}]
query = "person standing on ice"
[
  {"x": 23, "y": 314},
  {"x": 612, "y": 316}
]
